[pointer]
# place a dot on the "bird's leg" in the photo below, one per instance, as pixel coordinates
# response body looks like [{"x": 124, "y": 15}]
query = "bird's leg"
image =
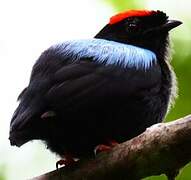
[
  {"x": 112, "y": 142},
  {"x": 105, "y": 148},
  {"x": 67, "y": 161}
]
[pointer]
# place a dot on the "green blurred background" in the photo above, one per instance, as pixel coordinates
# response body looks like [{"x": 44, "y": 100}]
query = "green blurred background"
[{"x": 29, "y": 27}]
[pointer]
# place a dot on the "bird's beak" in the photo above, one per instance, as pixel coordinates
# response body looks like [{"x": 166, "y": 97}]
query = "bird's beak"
[{"x": 170, "y": 24}]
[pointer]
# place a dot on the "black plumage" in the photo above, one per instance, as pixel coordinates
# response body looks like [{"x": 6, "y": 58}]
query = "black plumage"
[{"x": 74, "y": 101}]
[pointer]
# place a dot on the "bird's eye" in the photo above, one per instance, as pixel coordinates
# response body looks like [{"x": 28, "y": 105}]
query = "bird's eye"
[{"x": 131, "y": 24}]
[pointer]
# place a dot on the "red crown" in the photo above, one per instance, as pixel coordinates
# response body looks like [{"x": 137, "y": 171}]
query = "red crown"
[{"x": 131, "y": 13}]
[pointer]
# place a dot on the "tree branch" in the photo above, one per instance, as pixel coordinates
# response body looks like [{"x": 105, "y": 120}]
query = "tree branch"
[{"x": 162, "y": 148}]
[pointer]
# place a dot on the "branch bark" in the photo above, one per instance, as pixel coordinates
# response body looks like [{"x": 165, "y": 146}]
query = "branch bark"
[{"x": 162, "y": 148}]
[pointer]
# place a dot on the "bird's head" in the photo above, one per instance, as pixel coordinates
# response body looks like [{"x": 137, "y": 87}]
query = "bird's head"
[{"x": 143, "y": 28}]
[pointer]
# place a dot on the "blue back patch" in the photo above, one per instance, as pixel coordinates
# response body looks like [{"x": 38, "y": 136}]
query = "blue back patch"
[{"x": 107, "y": 52}]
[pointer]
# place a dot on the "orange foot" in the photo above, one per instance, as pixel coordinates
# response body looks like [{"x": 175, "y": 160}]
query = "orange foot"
[
  {"x": 67, "y": 161},
  {"x": 105, "y": 148}
]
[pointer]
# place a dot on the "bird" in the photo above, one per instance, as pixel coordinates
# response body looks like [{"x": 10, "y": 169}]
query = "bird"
[{"x": 109, "y": 88}]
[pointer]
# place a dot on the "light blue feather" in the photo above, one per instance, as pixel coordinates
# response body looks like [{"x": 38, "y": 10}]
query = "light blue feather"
[{"x": 108, "y": 52}]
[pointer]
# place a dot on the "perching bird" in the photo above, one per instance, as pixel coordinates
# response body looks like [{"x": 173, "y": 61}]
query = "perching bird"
[{"x": 83, "y": 93}]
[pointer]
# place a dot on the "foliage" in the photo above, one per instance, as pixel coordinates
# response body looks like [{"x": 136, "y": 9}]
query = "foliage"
[
  {"x": 2, "y": 172},
  {"x": 121, "y": 5}
]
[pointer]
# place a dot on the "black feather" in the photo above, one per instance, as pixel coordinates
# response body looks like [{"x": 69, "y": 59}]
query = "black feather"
[{"x": 94, "y": 101}]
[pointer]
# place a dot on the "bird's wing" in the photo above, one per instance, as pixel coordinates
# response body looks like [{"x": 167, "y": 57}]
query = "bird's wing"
[
  {"x": 86, "y": 81},
  {"x": 67, "y": 76}
]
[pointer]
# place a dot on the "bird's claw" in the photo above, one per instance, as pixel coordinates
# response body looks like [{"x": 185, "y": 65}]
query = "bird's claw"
[
  {"x": 65, "y": 162},
  {"x": 101, "y": 148},
  {"x": 105, "y": 148}
]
